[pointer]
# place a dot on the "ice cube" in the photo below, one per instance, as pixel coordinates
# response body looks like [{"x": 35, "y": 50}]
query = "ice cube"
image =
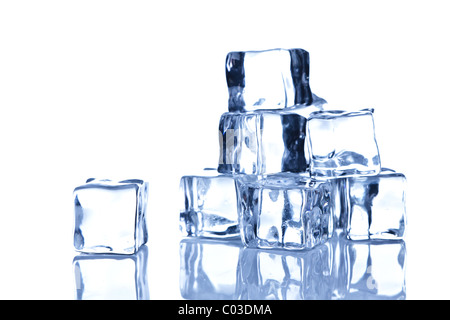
[
  {"x": 110, "y": 216},
  {"x": 285, "y": 275},
  {"x": 208, "y": 268},
  {"x": 340, "y": 203},
  {"x": 376, "y": 270},
  {"x": 264, "y": 141},
  {"x": 376, "y": 206},
  {"x": 111, "y": 277},
  {"x": 270, "y": 79},
  {"x": 208, "y": 207},
  {"x": 342, "y": 143},
  {"x": 284, "y": 211}
]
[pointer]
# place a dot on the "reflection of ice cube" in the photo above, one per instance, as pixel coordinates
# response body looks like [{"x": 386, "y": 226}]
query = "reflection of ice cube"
[
  {"x": 208, "y": 205},
  {"x": 285, "y": 275},
  {"x": 208, "y": 268},
  {"x": 376, "y": 206},
  {"x": 342, "y": 143},
  {"x": 111, "y": 277},
  {"x": 110, "y": 216},
  {"x": 270, "y": 79},
  {"x": 284, "y": 210},
  {"x": 339, "y": 269},
  {"x": 376, "y": 270},
  {"x": 264, "y": 141}
]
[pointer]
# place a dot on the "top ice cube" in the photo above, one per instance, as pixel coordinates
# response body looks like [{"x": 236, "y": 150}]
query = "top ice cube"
[{"x": 270, "y": 79}]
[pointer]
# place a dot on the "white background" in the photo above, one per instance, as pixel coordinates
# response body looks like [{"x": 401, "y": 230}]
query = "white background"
[{"x": 136, "y": 88}]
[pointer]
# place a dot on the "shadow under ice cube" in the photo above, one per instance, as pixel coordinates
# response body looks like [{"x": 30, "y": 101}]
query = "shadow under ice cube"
[
  {"x": 209, "y": 205},
  {"x": 376, "y": 206},
  {"x": 284, "y": 211},
  {"x": 343, "y": 143},
  {"x": 110, "y": 216}
]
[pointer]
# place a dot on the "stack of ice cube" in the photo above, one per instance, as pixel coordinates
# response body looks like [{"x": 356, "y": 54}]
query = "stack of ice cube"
[{"x": 291, "y": 170}]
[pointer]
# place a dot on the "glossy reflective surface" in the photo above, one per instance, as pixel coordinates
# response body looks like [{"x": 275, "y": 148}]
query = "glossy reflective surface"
[
  {"x": 111, "y": 276},
  {"x": 339, "y": 269}
]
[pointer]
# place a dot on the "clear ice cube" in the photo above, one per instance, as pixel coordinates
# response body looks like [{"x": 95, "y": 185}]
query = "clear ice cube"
[
  {"x": 339, "y": 195},
  {"x": 342, "y": 143},
  {"x": 264, "y": 141},
  {"x": 111, "y": 277},
  {"x": 376, "y": 206},
  {"x": 270, "y": 79},
  {"x": 284, "y": 211},
  {"x": 208, "y": 207},
  {"x": 285, "y": 275},
  {"x": 208, "y": 268},
  {"x": 110, "y": 216}
]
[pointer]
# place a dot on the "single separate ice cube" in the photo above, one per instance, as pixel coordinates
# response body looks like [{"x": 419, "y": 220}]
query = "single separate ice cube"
[
  {"x": 208, "y": 268},
  {"x": 264, "y": 141},
  {"x": 285, "y": 275},
  {"x": 376, "y": 270},
  {"x": 111, "y": 277},
  {"x": 284, "y": 211},
  {"x": 110, "y": 216},
  {"x": 343, "y": 143},
  {"x": 376, "y": 206},
  {"x": 209, "y": 206},
  {"x": 270, "y": 79}
]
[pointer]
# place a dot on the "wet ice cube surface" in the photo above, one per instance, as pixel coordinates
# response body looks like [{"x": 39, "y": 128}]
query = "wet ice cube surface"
[
  {"x": 377, "y": 206},
  {"x": 264, "y": 141},
  {"x": 343, "y": 143},
  {"x": 269, "y": 79},
  {"x": 284, "y": 211},
  {"x": 208, "y": 207},
  {"x": 110, "y": 216}
]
